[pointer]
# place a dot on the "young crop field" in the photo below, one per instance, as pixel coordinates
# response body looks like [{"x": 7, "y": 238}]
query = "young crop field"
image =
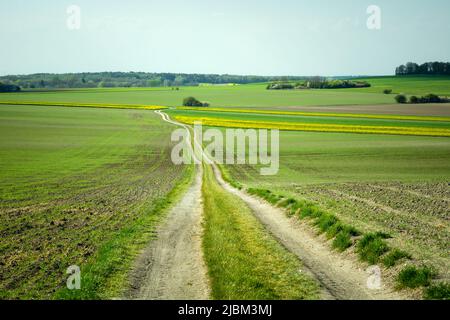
[
  {"x": 411, "y": 85},
  {"x": 79, "y": 186},
  {"x": 396, "y": 184},
  {"x": 196, "y": 152},
  {"x": 253, "y": 95},
  {"x": 87, "y": 176}
]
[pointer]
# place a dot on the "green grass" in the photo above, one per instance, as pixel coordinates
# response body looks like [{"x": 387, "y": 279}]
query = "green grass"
[
  {"x": 244, "y": 262},
  {"x": 371, "y": 247},
  {"x": 252, "y": 95},
  {"x": 315, "y": 158},
  {"x": 414, "y": 277},
  {"x": 237, "y": 96},
  {"x": 324, "y": 221},
  {"x": 411, "y": 85},
  {"x": 392, "y": 258},
  {"x": 440, "y": 291},
  {"x": 79, "y": 187}
]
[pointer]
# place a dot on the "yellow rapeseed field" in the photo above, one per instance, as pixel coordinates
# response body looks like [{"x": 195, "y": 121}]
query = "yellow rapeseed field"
[
  {"x": 319, "y": 114},
  {"x": 289, "y": 126},
  {"x": 85, "y": 105}
]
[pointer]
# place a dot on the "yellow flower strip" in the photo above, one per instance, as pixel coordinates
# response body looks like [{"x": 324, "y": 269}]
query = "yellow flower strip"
[
  {"x": 220, "y": 122},
  {"x": 86, "y": 105},
  {"x": 319, "y": 114}
]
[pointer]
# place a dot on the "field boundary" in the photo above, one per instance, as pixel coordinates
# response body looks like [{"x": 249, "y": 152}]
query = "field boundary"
[
  {"x": 83, "y": 105},
  {"x": 286, "y": 126},
  {"x": 319, "y": 114}
]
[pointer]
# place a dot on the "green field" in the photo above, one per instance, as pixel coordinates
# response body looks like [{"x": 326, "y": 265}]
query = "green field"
[
  {"x": 254, "y": 95},
  {"x": 106, "y": 176},
  {"x": 411, "y": 85},
  {"x": 79, "y": 187},
  {"x": 394, "y": 184},
  {"x": 240, "y": 254}
]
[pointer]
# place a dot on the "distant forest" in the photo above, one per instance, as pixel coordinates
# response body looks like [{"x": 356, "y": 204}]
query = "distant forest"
[
  {"x": 428, "y": 68},
  {"x": 129, "y": 79}
]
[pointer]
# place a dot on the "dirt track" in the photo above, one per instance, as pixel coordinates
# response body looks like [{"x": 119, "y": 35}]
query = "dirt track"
[
  {"x": 172, "y": 267},
  {"x": 340, "y": 278}
]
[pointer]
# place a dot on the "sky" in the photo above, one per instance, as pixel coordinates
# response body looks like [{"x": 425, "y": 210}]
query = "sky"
[{"x": 259, "y": 37}]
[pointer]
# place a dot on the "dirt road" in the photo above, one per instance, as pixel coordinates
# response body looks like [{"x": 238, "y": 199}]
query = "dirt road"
[
  {"x": 175, "y": 269},
  {"x": 339, "y": 278},
  {"x": 172, "y": 267}
]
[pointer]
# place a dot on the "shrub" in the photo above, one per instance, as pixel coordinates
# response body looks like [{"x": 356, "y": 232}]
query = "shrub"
[
  {"x": 400, "y": 98},
  {"x": 387, "y": 91},
  {"x": 192, "y": 102},
  {"x": 439, "y": 291},
  {"x": 392, "y": 257},
  {"x": 280, "y": 86},
  {"x": 414, "y": 99},
  {"x": 414, "y": 277},
  {"x": 9, "y": 88},
  {"x": 371, "y": 247},
  {"x": 431, "y": 98}
]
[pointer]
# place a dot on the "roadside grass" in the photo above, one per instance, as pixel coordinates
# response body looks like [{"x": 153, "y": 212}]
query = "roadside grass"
[
  {"x": 244, "y": 262},
  {"x": 440, "y": 291},
  {"x": 370, "y": 247},
  {"x": 343, "y": 235},
  {"x": 227, "y": 177},
  {"x": 394, "y": 256},
  {"x": 414, "y": 277}
]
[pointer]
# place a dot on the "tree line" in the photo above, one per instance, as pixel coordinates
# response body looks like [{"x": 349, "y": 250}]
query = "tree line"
[
  {"x": 318, "y": 83},
  {"x": 129, "y": 79},
  {"x": 428, "y": 68},
  {"x": 8, "y": 88}
]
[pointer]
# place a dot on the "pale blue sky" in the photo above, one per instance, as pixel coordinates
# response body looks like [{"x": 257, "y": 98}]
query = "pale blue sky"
[{"x": 264, "y": 37}]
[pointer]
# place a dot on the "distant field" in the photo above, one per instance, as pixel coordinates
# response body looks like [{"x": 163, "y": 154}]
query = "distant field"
[
  {"x": 79, "y": 186},
  {"x": 236, "y": 96},
  {"x": 253, "y": 95},
  {"x": 411, "y": 85}
]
